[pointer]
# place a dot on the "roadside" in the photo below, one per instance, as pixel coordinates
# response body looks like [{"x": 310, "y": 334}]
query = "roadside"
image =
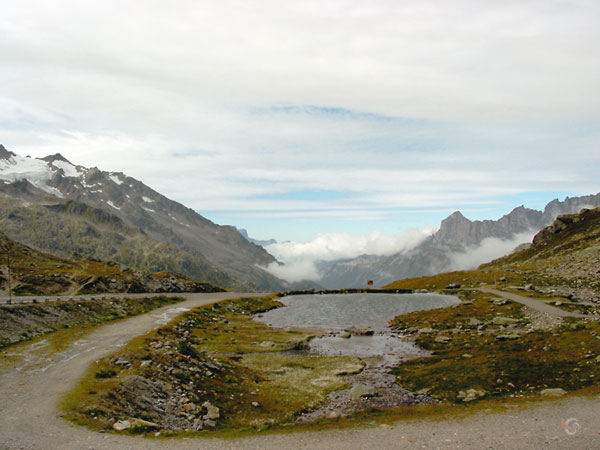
[
  {"x": 536, "y": 304},
  {"x": 28, "y": 412}
]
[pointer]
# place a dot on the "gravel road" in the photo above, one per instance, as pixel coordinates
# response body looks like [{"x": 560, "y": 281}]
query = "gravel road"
[
  {"x": 29, "y": 417},
  {"x": 538, "y": 305}
]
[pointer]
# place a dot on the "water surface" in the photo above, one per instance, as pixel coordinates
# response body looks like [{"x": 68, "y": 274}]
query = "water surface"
[{"x": 339, "y": 311}]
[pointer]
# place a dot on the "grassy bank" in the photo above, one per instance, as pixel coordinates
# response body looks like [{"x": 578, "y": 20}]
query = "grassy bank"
[{"x": 213, "y": 357}]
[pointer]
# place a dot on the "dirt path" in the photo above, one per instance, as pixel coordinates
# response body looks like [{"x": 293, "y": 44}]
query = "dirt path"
[
  {"x": 538, "y": 305},
  {"x": 29, "y": 401}
]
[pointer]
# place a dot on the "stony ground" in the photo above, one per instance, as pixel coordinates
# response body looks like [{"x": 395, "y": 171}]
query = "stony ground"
[{"x": 29, "y": 407}]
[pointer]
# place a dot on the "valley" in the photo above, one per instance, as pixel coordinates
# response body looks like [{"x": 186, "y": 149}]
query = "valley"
[{"x": 516, "y": 332}]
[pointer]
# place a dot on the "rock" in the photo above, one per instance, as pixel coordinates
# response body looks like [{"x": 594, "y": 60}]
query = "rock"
[
  {"x": 345, "y": 335},
  {"x": 359, "y": 391},
  {"x": 508, "y": 337},
  {"x": 500, "y": 301},
  {"x": 267, "y": 344},
  {"x": 424, "y": 391},
  {"x": 529, "y": 287},
  {"x": 143, "y": 423},
  {"x": 598, "y": 359},
  {"x": 553, "y": 392},
  {"x": 442, "y": 339},
  {"x": 121, "y": 425},
  {"x": 212, "y": 412},
  {"x": 256, "y": 404},
  {"x": 504, "y": 320},
  {"x": 503, "y": 279},
  {"x": 558, "y": 303},
  {"x": 426, "y": 331},
  {"x": 361, "y": 331},
  {"x": 470, "y": 395},
  {"x": 209, "y": 423},
  {"x": 467, "y": 355},
  {"x": 333, "y": 415},
  {"x": 122, "y": 362},
  {"x": 349, "y": 369},
  {"x": 190, "y": 408},
  {"x": 474, "y": 322},
  {"x": 467, "y": 302},
  {"x": 453, "y": 286}
]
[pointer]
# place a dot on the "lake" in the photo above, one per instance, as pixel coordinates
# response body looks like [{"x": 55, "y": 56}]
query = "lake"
[{"x": 337, "y": 312}]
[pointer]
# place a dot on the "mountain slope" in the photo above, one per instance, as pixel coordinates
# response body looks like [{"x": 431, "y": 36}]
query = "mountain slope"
[
  {"x": 37, "y": 273},
  {"x": 449, "y": 248},
  {"x": 563, "y": 260},
  {"x": 219, "y": 249}
]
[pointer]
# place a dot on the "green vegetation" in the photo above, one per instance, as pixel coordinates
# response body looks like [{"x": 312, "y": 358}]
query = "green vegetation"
[{"x": 214, "y": 354}]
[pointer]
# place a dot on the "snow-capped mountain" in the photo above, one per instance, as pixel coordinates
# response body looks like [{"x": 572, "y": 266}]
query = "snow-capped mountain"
[{"x": 138, "y": 207}]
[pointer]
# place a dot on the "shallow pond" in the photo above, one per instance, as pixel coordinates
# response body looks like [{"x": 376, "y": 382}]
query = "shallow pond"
[{"x": 339, "y": 311}]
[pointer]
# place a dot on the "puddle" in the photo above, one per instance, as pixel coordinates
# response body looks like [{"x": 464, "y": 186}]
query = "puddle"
[
  {"x": 384, "y": 345},
  {"x": 168, "y": 315}
]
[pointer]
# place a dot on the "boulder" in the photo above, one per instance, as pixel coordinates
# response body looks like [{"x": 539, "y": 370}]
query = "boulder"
[
  {"x": 553, "y": 392},
  {"x": 504, "y": 320},
  {"x": 470, "y": 395},
  {"x": 361, "y": 331},
  {"x": 426, "y": 331},
  {"x": 508, "y": 337},
  {"x": 442, "y": 339},
  {"x": 212, "y": 412},
  {"x": 362, "y": 391},
  {"x": 121, "y": 425}
]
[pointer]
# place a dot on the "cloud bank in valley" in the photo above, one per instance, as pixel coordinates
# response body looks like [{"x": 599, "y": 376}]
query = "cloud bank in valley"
[
  {"x": 488, "y": 250},
  {"x": 300, "y": 258}
]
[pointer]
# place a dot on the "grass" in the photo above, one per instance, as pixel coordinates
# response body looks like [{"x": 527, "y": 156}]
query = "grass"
[
  {"x": 474, "y": 358},
  {"x": 218, "y": 354}
]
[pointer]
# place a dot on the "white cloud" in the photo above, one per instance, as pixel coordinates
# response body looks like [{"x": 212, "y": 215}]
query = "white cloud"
[
  {"x": 213, "y": 103},
  {"x": 300, "y": 258},
  {"x": 488, "y": 250}
]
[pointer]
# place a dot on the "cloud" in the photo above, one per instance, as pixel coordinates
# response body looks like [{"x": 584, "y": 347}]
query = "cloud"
[
  {"x": 293, "y": 271},
  {"x": 396, "y": 105},
  {"x": 300, "y": 258},
  {"x": 488, "y": 250}
]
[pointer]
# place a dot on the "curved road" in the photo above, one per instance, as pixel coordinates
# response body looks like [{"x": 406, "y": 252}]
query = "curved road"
[{"x": 29, "y": 411}]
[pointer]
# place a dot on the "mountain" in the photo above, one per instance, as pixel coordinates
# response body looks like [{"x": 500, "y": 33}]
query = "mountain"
[
  {"x": 37, "y": 273},
  {"x": 262, "y": 243},
  {"x": 454, "y": 246},
  {"x": 54, "y": 205},
  {"x": 562, "y": 261}
]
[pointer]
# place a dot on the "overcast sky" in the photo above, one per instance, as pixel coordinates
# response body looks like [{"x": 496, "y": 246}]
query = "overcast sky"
[{"x": 293, "y": 118}]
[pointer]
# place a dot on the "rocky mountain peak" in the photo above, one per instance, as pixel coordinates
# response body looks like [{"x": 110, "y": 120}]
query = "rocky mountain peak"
[
  {"x": 56, "y": 157},
  {"x": 4, "y": 153}
]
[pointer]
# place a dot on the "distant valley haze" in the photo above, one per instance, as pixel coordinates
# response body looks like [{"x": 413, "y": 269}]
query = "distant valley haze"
[{"x": 338, "y": 129}]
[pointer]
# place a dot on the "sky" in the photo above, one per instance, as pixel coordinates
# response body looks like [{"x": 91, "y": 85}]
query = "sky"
[{"x": 314, "y": 122}]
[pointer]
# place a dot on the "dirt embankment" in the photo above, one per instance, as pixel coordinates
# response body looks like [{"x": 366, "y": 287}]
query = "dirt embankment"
[{"x": 23, "y": 322}]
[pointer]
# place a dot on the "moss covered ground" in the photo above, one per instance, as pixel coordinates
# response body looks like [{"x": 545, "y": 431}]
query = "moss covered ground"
[{"x": 258, "y": 377}]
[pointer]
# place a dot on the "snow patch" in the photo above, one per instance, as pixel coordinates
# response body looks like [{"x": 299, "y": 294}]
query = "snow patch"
[
  {"x": 36, "y": 171},
  {"x": 148, "y": 209},
  {"x": 115, "y": 178},
  {"x": 112, "y": 204},
  {"x": 69, "y": 169},
  {"x": 147, "y": 200}
]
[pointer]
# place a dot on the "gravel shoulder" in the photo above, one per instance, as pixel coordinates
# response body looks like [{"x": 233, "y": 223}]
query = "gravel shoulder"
[{"x": 29, "y": 417}]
